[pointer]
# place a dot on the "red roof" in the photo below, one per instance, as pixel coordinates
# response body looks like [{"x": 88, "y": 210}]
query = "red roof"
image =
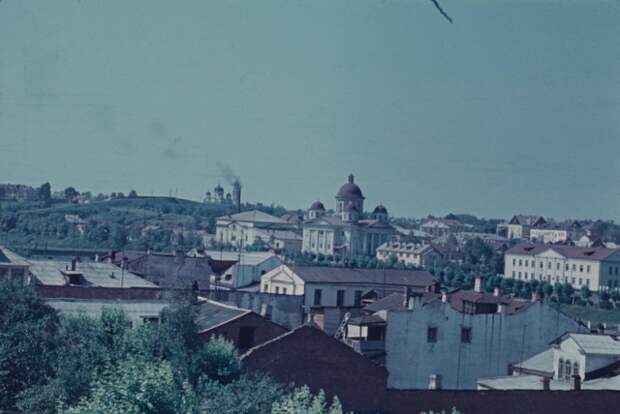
[{"x": 571, "y": 252}]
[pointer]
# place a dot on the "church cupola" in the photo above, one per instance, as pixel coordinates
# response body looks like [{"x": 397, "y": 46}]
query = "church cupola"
[
  {"x": 316, "y": 210},
  {"x": 380, "y": 213},
  {"x": 349, "y": 193},
  {"x": 350, "y": 213}
]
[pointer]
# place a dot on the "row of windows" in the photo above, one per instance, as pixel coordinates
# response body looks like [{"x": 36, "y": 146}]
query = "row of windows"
[
  {"x": 565, "y": 279},
  {"x": 277, "y": 289},
  {"x": 566, "y": 369},
  {"x": 431, "y": 334},
  {"x": 340, "y": 297},
  {"x": 532, "y": 263}
]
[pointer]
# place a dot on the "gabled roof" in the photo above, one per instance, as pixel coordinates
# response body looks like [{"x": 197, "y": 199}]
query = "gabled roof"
[
  {"x": 255, "y": 216},
  {"x": 527, "y": 220},
  {"x": 458, "y": 298},
  {"x": 594, "y": 343},
  {"x": 395, "y": 302},
  {"x": 572, "y": 252},
  {"x": 212, "y": 314},
  {"x": 541, "y": 362},
  {"x": 8, "y": 257},
  {"x": 323, "y": 274}
]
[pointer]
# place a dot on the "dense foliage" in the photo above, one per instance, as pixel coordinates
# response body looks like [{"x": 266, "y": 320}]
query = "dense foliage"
[{"x": 75, "y": 365}]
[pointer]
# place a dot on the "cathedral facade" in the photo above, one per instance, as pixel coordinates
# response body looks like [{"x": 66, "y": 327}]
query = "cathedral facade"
[{"x": 347, "y": 232}]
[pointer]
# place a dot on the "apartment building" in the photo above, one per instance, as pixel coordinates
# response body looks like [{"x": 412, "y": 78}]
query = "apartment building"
[{"x": 594, "y": 267}]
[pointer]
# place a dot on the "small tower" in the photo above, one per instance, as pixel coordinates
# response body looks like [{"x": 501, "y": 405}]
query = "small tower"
[
  {"x": 219, "y": 194},
  {"x": 316, "y": 210},
  {"x": 236, "y": 194},
  {"x": 380, "y": 214},
  {"x": 208, "y": 198}
]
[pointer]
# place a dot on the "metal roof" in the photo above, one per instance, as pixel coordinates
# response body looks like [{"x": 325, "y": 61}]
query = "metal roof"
[
  {"x": 322, "y": 274},
  {"x": 50, "y": 272},
  {"x": 595, "y": 343},
  {"x": 542, "y": 362},
  {"x": 9, "y": 257},
  {"x": 573, "y": 252},
  {"x": 212, "y": 314}
]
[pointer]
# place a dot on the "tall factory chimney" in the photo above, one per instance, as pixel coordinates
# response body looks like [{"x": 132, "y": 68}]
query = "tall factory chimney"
[{"x": 237, "y": 195}]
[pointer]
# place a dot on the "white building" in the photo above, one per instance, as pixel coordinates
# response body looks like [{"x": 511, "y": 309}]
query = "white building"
[
  {"x": 441, "y": 226},
  {"x": 596, "y": 267},
  {"x": 574, "y": 360},
  {"x": 519, "y": 226},
  {"x": 339, "y": 286},
  {"x": 410, "y": 253},
  {"x": 255, "y": 227},
  {"x": 346, "y": 233},
  {"x": 466, "y": 335}
]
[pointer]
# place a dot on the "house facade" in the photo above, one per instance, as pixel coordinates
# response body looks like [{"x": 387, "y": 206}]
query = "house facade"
[
  {"x": 13, "y": 266},
  {"x": 593, "y": 267},
  {"x": 409, "y": 253}
]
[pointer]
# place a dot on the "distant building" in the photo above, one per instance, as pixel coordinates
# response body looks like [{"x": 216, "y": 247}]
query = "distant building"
[
  {"x": 519, "y": 226},
  {"x": 570, "y": 230},
  {"x": 346, "y": 233},
  {"x": 465, "y": 335},
  {"x": 574, "y": 361},
  {"x": 254, "y": 227},
  {"x": 13, "y": 266},
  {"x": 441, "y": 226},
  {"x": 232, "y": 270},
  {"x": 413, "y": 254},
  {"x": 592, "y": 267},
  {"x": 17, "y": 192}
]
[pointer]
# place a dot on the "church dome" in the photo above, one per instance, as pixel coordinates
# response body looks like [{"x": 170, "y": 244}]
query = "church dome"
[
  {"x": 350, "y": 207},
  {"x": 350, "y": 189},
  {"x": 317, "y": 205},
  {"x": 380, "y": 209}
]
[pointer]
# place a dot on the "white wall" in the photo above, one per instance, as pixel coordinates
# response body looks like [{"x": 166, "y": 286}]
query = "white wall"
[{"x": 497, "y": 340}]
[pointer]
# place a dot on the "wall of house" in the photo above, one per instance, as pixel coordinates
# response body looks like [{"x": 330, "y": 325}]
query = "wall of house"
[
  {"x": 285, "y": 310},
  {"x": 264, "y": 330},
  {"x": 548, "y": 235},
  {"x": 497, "y": 340},
  {"x": 310, "y": 357}
]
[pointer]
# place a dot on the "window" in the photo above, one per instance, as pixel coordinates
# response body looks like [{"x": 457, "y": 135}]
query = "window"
[
  {"x": 611, "y": 270},
  {"x": 567, "y": 369},
  {"x": 431, "y": 334},
  {"x": 567, "y": 267},
  {"x": 284, "y": 291},
  {"x": 574, "y": 267},
  {"x": 616, "y": 271},
  {"x": 588, "y": 268},
  {"x": 266, "y": 288},
  {"x": 340, "y": 298},
  {"x": 513, "y": 274},
  {"x": 246, "y": 337},
  {"x": 548, "y": 265},
  {"x": 580, "y": 281},
  {"x": 572, "y": 280},
  {"x": 3, "y": 272},
  {"x": 541, "y": 265},
  {"x": 557, "y": 267},
  {"x": 17, "y": 273},
  {"x": 527, "y": 263},
  {"x": 576, "y": 368},
  {"x": 317, "y": 296},
  {"x": 561, "y": 369},
  {"x": 358, "y": 297},
  {"x": 465, "y": 335},
  {"x": 514, "y": 262},
  {"x": 581, "y": 268},
  {"x": 520, "y": 262},
  {"x": 277, "y": 290},
  {"x": 588, "y": 282}
]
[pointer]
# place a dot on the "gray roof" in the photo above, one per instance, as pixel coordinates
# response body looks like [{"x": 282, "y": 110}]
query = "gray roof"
[
  {"x": 254, "y": 216},
  {"x": 212, "y": 314},
  {"x": 246, "y": 258},
  {"x": 534, "y": 382},
  {"x": 318, "y": 274},
  {"x": 542, "y": 362},
  {"x": 9, "y": 257},
  {"x": 594, "y": 343},
  {"x": 573, "y": 252},
  {"x": 50, "y": 272}
]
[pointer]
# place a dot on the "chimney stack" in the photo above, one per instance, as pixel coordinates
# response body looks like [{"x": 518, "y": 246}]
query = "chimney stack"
[
  {"x": 237, "y": 195},
  {"x": 478, "y": 284},
  {"x": 496, "y": 292},
  {"x": 406, "y": 294},
  {"x": 576, "y": 383},
  {"x": 500, "y": 308},
  {"x": 444, "y": 297},
  {"x": 73, "y": 263},
  {"x": 546, "y": 383},
  {"x": 434, "y": 382}
]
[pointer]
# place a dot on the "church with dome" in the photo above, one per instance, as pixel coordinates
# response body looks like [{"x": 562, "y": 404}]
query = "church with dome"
[{"x": 347, "y": 232}]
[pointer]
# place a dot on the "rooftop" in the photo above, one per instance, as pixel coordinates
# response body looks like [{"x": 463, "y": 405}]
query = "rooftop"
[
  {"x": 594, "y": 343},
  {"x": 212, "y": 314},
  {"x": 255, "y": 216},
  {"x": 9, "y": 257},
  {"x": 572, "y": 252},
  {"x": 318, "y": 274}
]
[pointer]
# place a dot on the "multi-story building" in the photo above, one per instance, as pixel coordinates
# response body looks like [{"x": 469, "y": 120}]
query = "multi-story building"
[
  {"x": 346, "y": 233},
  {"x": 410, "y": 253},
  {"x": 255, "y": 227},
  {"x": 594, "y": 267},
  {"x": 557, "y": 233},
  {"x": 441, "y": 226},
  {"x": 519, "y": 226},
  {"x": 464, "y": 335}
]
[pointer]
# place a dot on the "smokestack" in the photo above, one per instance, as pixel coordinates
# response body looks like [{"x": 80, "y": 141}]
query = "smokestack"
[
  {"x": 73, "y": 263},
  {"x": 434, "y": 382},
  {"x": 237, "y": 195},
  {"x": 444, "y": 297},
  {"x": 406, "y": 294},
  {"x": 478, "y": 284}
]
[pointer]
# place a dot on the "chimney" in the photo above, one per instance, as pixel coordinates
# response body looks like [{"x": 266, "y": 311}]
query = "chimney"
[
  {"x": 496, "y": 292},
  {"x": 406, "y": 294},
  {"x": 444, "y": 297},
  {"x": 73, "y": 263},
  {"x": 478, "y": 284},
  {"x": 576, "y": 382},
  {"x": 434, "y": 382},
  {"x": 500, "y": 308},
  {"x": 96, "y": 257},
  {"x": 546, "y": 383},
  {"x": 237, "y": 195}
]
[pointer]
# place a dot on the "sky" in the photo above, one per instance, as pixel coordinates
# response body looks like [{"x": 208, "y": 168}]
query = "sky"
[{"x": 512, "y": 108}]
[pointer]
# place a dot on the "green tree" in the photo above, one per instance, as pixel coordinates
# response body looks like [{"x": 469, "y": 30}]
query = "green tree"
[
  {"x": 247, "y": 395},
  {"x": 27, "y": 329},
  {"x": 301, "y": 401}
]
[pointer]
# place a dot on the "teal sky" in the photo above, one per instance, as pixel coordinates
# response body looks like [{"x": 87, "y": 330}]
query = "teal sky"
[{"x": 514, "y": 108}]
